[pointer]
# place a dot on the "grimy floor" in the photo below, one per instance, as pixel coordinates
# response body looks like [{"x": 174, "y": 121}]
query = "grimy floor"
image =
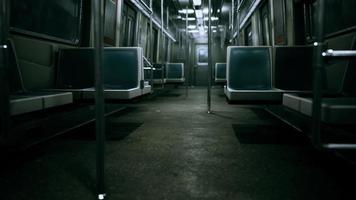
[{"x": 168, "y": 147}]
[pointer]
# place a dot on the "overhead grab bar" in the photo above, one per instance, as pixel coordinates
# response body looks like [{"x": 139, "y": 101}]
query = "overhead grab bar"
[
  {"x": 337, "y": 53},
  {"x": 339, "y": 146}
]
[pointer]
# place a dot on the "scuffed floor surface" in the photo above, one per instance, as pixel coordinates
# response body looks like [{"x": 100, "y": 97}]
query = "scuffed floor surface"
[{"x": 167, "y": 147}]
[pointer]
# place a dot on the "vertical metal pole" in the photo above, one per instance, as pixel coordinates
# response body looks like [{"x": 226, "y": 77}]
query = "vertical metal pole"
[
  {"x": 187, "y": 53},
  {"x": 232, "y": 16},
  {"x": 151, "y": 43},
  {"x": 162, "y": 27},
  {"x": 151, "y": 34},
  {"x": 4, "y": 83},
  {"x": 99, "y": 97},
  {"x": 318, "y": 70},
  {"x": 209, "y": 59}
]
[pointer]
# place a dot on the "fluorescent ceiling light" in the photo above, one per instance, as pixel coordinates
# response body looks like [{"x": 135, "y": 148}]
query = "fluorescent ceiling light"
[
  {"x": 197, "y": 2},
  {"x": 199, "y": 13},
  {"x": 206, "y": 11},
  {"x": 212, "y": 18},
  {"x": 193, "y": 31},
  {"x": 212, "y": 27},
  {"x": 189, "y": 18},
  {"x": 192, "y": 27},
  {"x": 185, "y": 11}
]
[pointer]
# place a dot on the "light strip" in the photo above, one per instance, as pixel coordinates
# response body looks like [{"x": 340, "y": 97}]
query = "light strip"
[
  {"x": 189, "y": 19},
  {"x": 185, "y": 11},
  {"x": 197, "y": 2},
  {"x": 251, "y": 10}
]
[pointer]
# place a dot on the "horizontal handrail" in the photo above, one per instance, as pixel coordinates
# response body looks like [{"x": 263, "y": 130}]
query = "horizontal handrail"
[
  {"x": 339, "y": 146},
  {"x": 334, "y": 53},
  {"x": 147, "y": 61}
]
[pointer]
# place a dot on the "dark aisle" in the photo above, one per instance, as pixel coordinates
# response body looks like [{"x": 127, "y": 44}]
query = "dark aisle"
[{"x": 168, "y": 147}]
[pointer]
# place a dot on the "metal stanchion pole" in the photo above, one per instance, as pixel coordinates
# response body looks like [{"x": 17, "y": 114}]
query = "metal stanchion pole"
[
  {"x": 318, "y": 70},
  {"x": 209, "y": 59},
  {"x": 97, "y": 6},
  {"x": 187, "y": 53},
  {"x": 4, "y": 78}
]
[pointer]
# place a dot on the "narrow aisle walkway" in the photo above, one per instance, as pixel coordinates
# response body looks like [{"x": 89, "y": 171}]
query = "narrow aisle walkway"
[{"x": 168, "y": 147}]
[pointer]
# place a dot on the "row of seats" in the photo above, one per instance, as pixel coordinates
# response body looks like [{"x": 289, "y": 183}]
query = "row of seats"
[
  {"x": 24, "y": 101},
  {"x": 122, "y": 69},
  {"x": 168, "y": 73},
  {"x": 285, "y": 74},
  {"x": 338, "y": 106},
  {"x": 122, "y": 72},
  {"x": 265, "y": 73}
]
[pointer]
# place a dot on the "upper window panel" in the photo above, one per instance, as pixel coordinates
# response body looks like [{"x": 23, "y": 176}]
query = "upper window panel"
[{"x": 58, "y": 20}]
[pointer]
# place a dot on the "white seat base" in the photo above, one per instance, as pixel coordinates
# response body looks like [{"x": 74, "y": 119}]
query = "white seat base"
[
  {"x": 220, "y": 80},
  {"x": 339, "y": 110},
  {"x": 21, "y": 104},
  {"x": 253, "y": 95},
  {"x": 147, "y": 90},
  {"x": 113, "y": 93},
  {"x": 159, "y": 81},
  {"x": 174, "y": 80}
]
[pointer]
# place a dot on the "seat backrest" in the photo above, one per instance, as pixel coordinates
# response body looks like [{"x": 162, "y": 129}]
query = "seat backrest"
[
  {"x": 174, "y": 70},
  {"x": 249, "y": 68},
  {"x": 15, "y": 77},
  {"x": 293, "y": 67},
  {"x": 159, "y": 72},
  {"x": 75, "y": 69},
  {"x": 123, "y": 67},
  {"x": 220, "y": 70}
]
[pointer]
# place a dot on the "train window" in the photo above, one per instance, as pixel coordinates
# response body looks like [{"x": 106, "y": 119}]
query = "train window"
[
  {"x": 148, "y": 41},
  {"x": 248, "y": 35},
  {"x": 110, "y": 22},
  {"x": 128, "y": 25},
  {"x": 203, "y": 56},
  {"x": 280, "y": 32},
  {"x": 167, "y": 49},
  {"x": 308, "y": 21},
  {"x": 340, "y": 16},
  {"x": 155, "y": 43},
  {"x": 59, "y": 21},
  {"x": 265, "y": 19}
]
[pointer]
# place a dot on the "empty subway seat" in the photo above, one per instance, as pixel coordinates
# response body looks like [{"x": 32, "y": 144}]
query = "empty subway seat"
[
  {"x": 123, "y": 72},
  {"x": 23, "y": 101},
  {"x": 159, "y": 73},
  {"x": 337, "y": 107},
  {"x": 249, "y": 75},
  {"x": 174, "y": 73},
  {"x": 293, "y": 67},
  {"x": 220, "y": 72}
]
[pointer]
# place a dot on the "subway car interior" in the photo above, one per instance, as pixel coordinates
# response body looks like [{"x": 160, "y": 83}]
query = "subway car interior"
[{"x": 177, "y": 99}]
